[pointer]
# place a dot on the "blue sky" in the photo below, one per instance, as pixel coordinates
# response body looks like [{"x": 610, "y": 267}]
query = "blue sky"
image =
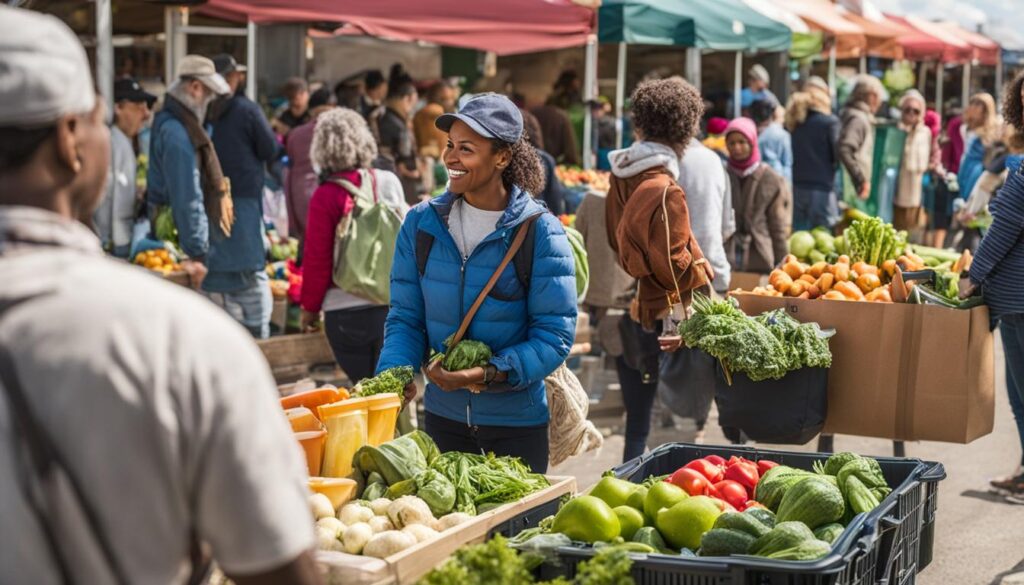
[{"x": 1002, "y": 20}]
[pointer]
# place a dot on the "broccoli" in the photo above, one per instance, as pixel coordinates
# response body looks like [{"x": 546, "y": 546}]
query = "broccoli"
[{"x": 393, "y": 380}]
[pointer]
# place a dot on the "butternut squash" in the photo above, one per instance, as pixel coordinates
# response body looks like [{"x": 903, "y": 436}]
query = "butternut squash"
[
  {"x": 864, "y": 268},
  {"x": 841, "y": 272},
  {"x": 824, "y": 283},
  {"x": 780, "y": 280},
  {"x": 797, "y": 288},
  {"x": 817, "y": 269},
  {"x": 834, "y": 295},
  {"x": 868, "y": 282},
  {"x": 849, "y": 290},
  {"x": 807, "y": 278},
  {"x": 794, "y": 269},
  {"x": 889, "y": 267}
]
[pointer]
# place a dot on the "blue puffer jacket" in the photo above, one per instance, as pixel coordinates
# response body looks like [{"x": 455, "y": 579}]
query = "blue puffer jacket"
[{"x": 530, "y": 332}]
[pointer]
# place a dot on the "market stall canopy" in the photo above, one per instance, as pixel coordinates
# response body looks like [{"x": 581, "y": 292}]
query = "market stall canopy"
[
  {"x": 822, "y": 15},
  {"x": 919, "y": 45},
  {"x": 807, "y": 43},
  {"x": 721, "y": 25},
  {"x": 985, "y": 50},
  {"x": 506, "y": 27},
  {"x": 954, "y": 49},
  {"x": 882, "y": 36}
]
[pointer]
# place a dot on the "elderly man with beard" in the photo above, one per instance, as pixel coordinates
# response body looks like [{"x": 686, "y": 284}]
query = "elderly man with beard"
[{"x": 184, "y": 172}]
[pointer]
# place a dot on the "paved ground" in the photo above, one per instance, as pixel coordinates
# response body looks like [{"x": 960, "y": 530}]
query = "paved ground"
[{"x": 979, "y": 538}]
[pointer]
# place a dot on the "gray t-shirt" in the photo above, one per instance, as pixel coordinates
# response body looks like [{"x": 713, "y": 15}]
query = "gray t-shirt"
[
  {"x": 469, "y": 225},
  {"x": 163, "y": 407}
]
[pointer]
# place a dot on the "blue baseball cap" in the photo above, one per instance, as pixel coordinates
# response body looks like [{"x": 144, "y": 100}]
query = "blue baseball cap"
[{"x": 490, "y": 115}]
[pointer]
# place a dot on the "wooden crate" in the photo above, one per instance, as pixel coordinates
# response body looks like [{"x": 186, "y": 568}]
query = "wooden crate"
[
  {"x": 409, "y": 565},
  {"x": 292, "y": 357},
  {"x": 179, "y": 277}
]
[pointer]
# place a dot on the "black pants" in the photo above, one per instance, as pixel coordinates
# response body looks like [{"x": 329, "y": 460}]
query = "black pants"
[
  {"x": 356, "y": 337},
  {"x": 528, "y": 443},
  {"x": 638, "y": 394}
]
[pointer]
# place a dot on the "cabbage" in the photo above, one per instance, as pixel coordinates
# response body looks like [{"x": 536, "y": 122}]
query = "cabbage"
[{"x": 801, "y": 243}]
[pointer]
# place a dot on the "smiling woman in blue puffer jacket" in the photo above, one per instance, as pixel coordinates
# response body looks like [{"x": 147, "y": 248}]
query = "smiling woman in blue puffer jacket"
[{"x": 461, "y": 238}]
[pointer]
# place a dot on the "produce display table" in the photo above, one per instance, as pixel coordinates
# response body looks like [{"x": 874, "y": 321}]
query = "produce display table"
[
  {"x": 409, "y": 565},
  {"x": 293, "y": 357}
]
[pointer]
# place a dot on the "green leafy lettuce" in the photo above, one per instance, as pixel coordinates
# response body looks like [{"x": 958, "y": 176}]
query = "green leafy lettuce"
[
  {"x": 393, "y": 380},
  {"x": 765, "y": 347}
]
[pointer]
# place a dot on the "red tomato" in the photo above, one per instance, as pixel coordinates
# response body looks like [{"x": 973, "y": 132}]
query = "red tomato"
[
  {"x": 752, "y": 504},
  {"x": 745, "y": 474},
  {"x": 734, "y": 460},
  {"x": 764, "y": 465},
  {"x": 709, "y": 470},
  {"x": 691, "y": 480},
  {"x": 732, "y": 492},
  {"x": 719, "y": 461}
]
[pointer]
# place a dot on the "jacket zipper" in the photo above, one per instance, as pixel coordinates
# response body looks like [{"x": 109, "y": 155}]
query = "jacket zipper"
[{"x": 462, "y": 309}]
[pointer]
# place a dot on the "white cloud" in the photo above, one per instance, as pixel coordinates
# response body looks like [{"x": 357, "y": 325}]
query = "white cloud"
[{"x": 1001, "y": 19}]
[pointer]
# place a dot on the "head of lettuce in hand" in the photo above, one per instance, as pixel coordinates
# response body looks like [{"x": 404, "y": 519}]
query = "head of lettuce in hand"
[{"x": 461, "y": 366}]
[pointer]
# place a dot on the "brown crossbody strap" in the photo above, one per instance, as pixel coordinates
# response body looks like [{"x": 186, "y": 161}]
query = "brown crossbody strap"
[{"x": 517, "y": 243}]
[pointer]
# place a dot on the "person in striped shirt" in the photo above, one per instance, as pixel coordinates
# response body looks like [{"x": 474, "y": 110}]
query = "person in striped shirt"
[{"x": 998, "y": 271}]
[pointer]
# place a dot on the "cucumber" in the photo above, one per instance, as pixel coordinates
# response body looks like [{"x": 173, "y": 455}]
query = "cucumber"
[
  {"x": 829, "y": 532},
  {"x": 785, "y": 535},
  {"x": 814, "y": 501},
  {"x": 745, "y": 523},
  {"x": 722, "y": 542}
]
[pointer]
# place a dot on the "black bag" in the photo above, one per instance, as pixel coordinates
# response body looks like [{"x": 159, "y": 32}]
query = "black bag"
[
  {"x": 686, "y": 384},
  {"x": 788, "y": 411},
  {"x": 640, "y": 348}
]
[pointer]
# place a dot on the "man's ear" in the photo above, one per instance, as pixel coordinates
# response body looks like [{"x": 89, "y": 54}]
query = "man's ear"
[{"x": 67, "y": 144}]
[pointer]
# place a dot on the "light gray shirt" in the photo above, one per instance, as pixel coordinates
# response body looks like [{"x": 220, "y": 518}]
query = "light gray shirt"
[
  {"x": 116, "y": 214},
  {"x": 163, "y": 407},
  {"x": 469, "y": 225},
  {"x": 709, "y": 200}
]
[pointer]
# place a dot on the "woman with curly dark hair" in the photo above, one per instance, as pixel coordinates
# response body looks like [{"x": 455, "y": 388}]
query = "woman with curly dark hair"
[
  {"x": 448, "y": 250},
  {"x": 998, "y": 272},
  {"x": 648, "y": 226}
]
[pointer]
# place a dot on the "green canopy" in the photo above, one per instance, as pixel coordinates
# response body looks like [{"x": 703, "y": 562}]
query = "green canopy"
[{"x": 721, "y": 25}]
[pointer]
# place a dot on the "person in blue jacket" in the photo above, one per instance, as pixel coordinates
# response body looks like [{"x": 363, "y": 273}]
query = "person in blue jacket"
[
  {"x": 460, "y": 239},
  {"x": 238, "y": 281},
  {"x": 998, "y": 272},
  {"x": 178, "y": 177}
]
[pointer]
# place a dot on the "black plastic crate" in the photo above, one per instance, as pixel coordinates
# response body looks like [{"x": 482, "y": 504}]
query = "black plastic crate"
[
  {"x": 528, "y": 519},
  {"x": 890, "y": 545}
]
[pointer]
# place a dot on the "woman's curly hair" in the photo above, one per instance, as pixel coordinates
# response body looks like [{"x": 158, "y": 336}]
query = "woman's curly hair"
[
  {"x": 524, "y": 169},
  {"x": 1013, "y": 105},
  {"x": 342, "y": 141},
  {"x": 667, "y": 110}
]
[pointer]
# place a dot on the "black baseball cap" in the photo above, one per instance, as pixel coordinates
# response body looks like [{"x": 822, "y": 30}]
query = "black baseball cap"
[
  {"x": 490, "y": 115},
  {"x": 128, "y": 89},
  {"x": 225, "y": 64}
]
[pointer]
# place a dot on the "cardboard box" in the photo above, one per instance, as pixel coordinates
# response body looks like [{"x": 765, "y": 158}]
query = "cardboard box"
[{"x": 904, "y": 372}]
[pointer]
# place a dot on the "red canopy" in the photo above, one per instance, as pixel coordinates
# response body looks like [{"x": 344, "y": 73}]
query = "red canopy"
[
  {"x": 986, "y": 51},
  {"x": 919, "y": 45},
  {"x": 505, "y": 27}
]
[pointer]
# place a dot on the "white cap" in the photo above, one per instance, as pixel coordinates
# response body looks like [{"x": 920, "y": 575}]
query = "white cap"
[
  {"x": 205, "y": 71},
  {"x": 759, "y": 73},
  {"x": 44, "y": 73}
]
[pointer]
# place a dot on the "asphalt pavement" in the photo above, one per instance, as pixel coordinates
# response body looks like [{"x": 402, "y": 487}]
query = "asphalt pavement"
[{"x": 979, "y": 538}]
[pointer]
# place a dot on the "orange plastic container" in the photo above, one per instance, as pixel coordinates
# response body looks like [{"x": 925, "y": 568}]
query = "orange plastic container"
[
  {"x": 303, "y": 419},
  {"x": 313, "y": 446},
  {"x": 382, "y": 414},
  {"x": 347, "y": 425},
  {"x": 312, "y": 399},
  {"x": 338, "y": 490}
]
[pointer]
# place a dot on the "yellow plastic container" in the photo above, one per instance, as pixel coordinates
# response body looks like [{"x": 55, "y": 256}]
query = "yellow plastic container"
[
  {"x": 313, "y": 446},
  {"x": 346, "y": 423},
  {"x": 382, "y": 417}
]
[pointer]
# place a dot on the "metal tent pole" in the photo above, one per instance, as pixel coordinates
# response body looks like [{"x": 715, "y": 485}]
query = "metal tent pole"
[
  {"x": 620, "y": 95},
  {"x": 105, "y": 52},
  {"x": 589, "y": 81},
  {"x": 966, "y": 89},
  {"x": 737, "y": 88},
  {"x": 832, "y": 73},
  {"x": 940, "y": 75},
  {"x": 999, "y": 82},
  {"x": 863, "y": 64},
  {"x": 250, "y": 60}
]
